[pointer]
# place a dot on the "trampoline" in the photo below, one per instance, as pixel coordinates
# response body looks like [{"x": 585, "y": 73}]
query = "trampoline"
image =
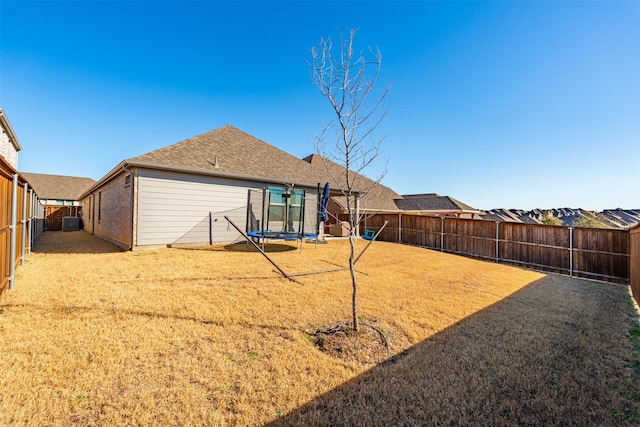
[{"x": 283, "y": 213}]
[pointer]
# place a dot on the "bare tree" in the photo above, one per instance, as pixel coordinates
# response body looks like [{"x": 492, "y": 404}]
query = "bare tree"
[{"x": 346, "y": 78}]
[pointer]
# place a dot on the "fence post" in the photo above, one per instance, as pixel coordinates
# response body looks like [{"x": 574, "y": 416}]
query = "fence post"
[
  {"x": 31, "y": 221},
  {"x": 497, "y": 241},
  {"x": 442, "y": 235},
  {"x": 211, "y": 229},
  {"x": 570, "y": 251},
  {"x": 399, "y": 228},
  {"x": 24, "y": 224},
  {"x": 12, "y": 251}
]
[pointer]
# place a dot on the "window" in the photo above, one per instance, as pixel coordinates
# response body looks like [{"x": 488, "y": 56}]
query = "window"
[
  {"x": 295, "y": 206},
  {"x": 285, "y": 208},
  {"x": 276, "y": 205}
]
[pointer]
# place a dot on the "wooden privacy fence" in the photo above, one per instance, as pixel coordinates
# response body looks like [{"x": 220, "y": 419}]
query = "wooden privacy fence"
[
  {"x": 21, "y": 222},
  {"x": 634, "y": 237},
  {"x": 602, "y": 254}
]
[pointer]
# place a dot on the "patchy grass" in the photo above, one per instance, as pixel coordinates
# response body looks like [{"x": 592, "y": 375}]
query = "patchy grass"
[{"x": 95, "y": 336}]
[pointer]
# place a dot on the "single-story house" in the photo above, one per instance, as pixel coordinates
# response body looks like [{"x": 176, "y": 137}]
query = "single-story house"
[
  {"x": 59, "y": 195},
  {"x": 182, "y": 193},
  {"x": 165, "y": 196}
]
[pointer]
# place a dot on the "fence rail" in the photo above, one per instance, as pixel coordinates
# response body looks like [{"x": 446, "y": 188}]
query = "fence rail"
[
  {"x": 21, "y": 222},
  {"x": 602, "y": 254}
]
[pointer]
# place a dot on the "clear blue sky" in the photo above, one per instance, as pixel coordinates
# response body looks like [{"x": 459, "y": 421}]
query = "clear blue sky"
[{"x": 498, "y": 104}]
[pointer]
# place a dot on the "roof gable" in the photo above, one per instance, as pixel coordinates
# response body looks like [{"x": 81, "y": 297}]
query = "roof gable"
[{"x": 232, "y": 152}]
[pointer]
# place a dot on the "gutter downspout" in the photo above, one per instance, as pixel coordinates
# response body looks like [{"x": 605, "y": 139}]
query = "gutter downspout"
[{"x": 131, "y": 200}]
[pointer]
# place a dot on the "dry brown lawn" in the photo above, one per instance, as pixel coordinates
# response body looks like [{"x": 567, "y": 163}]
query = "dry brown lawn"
[{"x": 95, "y": 336}]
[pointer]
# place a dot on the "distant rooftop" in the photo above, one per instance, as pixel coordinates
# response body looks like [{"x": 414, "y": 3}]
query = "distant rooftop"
[
  {"x": 57, "y": 187},
  {"x": 432, "y": 202}
]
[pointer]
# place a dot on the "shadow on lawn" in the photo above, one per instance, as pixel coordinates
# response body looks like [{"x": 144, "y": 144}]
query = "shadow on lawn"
[
  {"x": 236, "y": 247},
  {"x": 556, "y": 352},
  {"x": 269, "y": 247},
  {"x": 72, "y": 242},
  {"x": 75, "y": 310}
]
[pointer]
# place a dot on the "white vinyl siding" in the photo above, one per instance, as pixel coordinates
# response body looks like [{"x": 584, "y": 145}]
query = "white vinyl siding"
[{"x": 172, "y": 204}]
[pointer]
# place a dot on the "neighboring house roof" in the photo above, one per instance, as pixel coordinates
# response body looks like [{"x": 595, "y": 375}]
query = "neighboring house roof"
[
  {"x": 4, "y": 122},
  {"x": 228, "y": 151},
  {"x": 432, "y": 202},
  {"x": 502, "y": 215},
  {"x": 622, "y": 217},
  {"x": 58, "y": 187},
  {"x": 377, "y": 196}
]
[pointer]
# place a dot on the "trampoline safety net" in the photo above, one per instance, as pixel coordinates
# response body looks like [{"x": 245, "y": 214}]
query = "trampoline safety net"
[{"x": 295, "y": 213}]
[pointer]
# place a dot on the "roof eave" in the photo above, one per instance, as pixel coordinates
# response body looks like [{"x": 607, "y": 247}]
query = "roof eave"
[
  {"x": 209, "y": 172},
  {"x": 452, "y": 211},
  {"x": 121, "y": 167},
  {"x": 444, "y": 211},
  {"x": 113, "y": 172},
  {"x": 7, "y": 127}
]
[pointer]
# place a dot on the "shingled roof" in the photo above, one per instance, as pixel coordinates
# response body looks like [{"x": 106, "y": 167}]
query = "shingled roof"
[
  {"x": 57, "y": 187},
  {"x": 432, "y": 202},
  {"x": 228, "y": 151},
  {"x": 377, "y": 198}
]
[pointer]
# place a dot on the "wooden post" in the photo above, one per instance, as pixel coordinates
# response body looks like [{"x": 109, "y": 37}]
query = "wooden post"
[
  {"x": 31, "y": 221},
  {"x": 497, "y": 241},
  {"x": 442, "y": 235},
  {"x": 634, "y": 261},
  {"x": 23, "y": 246},
  {"x": 12, "y": 250},
  {"x": 357, "y": 221},
  {"x": 571, "y": 251},
  {"x": 210, "y": 229}
]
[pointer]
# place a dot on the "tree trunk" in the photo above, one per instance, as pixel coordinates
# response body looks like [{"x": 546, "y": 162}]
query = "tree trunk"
[{"x": 354, "y": 280}]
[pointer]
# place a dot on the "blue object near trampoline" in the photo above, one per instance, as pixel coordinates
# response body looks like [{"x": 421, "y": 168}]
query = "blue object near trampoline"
[{"x": 369, "y": 234}]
